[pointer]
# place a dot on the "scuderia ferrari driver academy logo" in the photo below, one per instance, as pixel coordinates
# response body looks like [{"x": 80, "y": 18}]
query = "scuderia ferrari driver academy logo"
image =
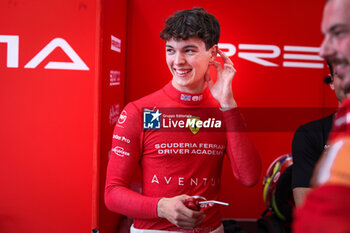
[{"x": 155, "y": 119}]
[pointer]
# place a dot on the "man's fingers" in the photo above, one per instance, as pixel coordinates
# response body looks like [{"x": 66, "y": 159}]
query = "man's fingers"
[
  {"x": 215, "y": 63},
  {"x": 188, "y": 218},
  {"x": 175, "y": 210},
  {"x": 200, "y": 220},
  {"x": 217, "y": 66},
  {"x": 189, "y": 213},
  {"x": 230, "y": 68},
  {"x": 225, "y": 58}
]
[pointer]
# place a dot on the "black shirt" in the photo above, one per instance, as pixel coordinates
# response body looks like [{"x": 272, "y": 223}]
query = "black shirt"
[{"x": 308, "y": 144}]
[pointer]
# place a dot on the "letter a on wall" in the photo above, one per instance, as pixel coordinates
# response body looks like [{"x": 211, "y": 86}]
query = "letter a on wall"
[{"x": 76, "y": 64}]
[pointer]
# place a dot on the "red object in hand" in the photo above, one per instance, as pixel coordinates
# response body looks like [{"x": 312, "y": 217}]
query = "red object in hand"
[{"x": 192, "y": 203}]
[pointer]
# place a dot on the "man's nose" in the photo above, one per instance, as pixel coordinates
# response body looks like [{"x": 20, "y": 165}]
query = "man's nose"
[
  {"x": 179, "y": 58},
  {"x": 327, "y": 49}
]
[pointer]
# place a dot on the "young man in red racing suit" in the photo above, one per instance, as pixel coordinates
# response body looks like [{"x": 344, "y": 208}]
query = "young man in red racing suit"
[{"x": 177, "y": 160}]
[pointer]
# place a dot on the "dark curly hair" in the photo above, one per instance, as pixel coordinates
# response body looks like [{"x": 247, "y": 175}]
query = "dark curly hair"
[{"x": 195, "y": 22}]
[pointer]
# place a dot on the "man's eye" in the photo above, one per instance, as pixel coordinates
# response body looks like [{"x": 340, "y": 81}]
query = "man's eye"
[
  {"x": 169, "y": 50},
  {"x": 189, "y": 51},
  {"x": 338, "y": 33}
]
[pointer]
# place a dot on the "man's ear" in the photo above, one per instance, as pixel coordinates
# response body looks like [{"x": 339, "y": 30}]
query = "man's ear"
[
  {"x": 331, "y": 85},
  {"x": 213, "y": 52}
]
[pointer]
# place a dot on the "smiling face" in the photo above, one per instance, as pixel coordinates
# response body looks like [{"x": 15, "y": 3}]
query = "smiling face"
[
  {"x": 188, "y": 61},
  {"x": 336, "y": 44}
]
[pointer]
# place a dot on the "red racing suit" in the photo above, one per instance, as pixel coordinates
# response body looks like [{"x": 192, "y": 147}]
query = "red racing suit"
[{"x": 175, "y": 162}]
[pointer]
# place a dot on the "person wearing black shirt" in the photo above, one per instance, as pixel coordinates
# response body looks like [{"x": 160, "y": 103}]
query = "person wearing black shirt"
[{"x": 309, "y": 141}]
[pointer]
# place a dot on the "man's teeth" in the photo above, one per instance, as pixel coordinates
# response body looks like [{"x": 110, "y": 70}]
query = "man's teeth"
[
  {"x": 183, "y": 72},
  {"x": 340, "y": 66}
]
